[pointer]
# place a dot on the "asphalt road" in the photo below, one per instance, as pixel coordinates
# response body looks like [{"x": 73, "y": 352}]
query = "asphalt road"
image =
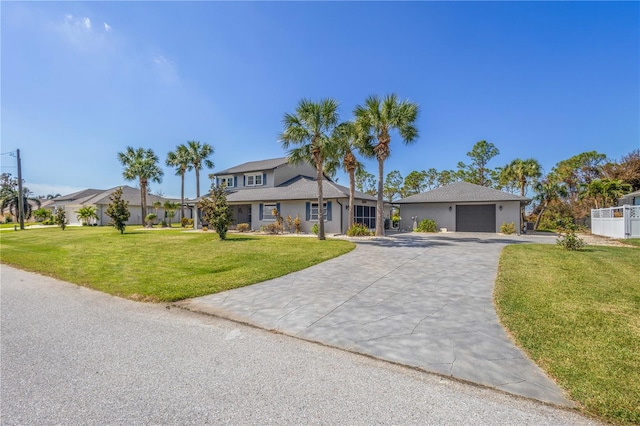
[{"x": 70, "y": 355}]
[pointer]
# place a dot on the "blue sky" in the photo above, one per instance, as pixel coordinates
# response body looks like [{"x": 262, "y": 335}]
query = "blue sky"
[{"x": 81, "y": 81}]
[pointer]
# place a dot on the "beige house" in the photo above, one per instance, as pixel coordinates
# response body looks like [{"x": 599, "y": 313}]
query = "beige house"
[{"x": 463, "y": 207}]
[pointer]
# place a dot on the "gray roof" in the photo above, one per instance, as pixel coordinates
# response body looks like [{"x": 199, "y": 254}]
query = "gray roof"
[
  {"x": 460, "y": 192},
  {"x": 299, "y": 188},
  {"x": 255, "y": 166},
  {"x": 101, "y": 196}
]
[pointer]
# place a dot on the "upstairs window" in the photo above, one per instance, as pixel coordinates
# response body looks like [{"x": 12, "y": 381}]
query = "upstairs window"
[
  {"x": 227, "y": 181},
  {"x": 254, "y": 180}
]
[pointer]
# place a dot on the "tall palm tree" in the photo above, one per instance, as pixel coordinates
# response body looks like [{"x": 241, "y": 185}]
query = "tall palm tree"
[
  {"x": 12, "y": 201},
  {"x": 199, "y": 157},
  {"x": 547, "y": 190},
  {"x": 376, "y": 119},
  {"x": 307, "y": 133},
  {"x": 345, "y": 143},
  {"x": 181, "y": 161},
  {"x": 141, "y": 164},
  {"x": 522, "y": 173}
]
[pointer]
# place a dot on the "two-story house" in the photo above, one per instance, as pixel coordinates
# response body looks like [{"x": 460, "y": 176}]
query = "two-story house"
[{"x": 256, "y": 188}]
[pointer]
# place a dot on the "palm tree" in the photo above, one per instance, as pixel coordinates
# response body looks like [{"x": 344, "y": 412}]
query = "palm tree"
[
  {"x": 522, "y": 173},
  {"x": 12, "y": 201},
  {"x": 198, "y": 157},
  {"x": 607, "y": 190},
  {"x": 375, "y": 120},
  {"x": 345, "y": 142},
  {"x": 170, "y": 208},
  {"x": 180, "y": 160},
  {"x": 307, "y": 135},
  {"x": 85, "y": 214},
  {"x": 547, "y": 190},
  {"x": 141, "y": 164}
]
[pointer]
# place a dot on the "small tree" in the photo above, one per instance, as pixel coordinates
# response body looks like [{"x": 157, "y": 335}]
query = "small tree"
[
  {"x": 42, "y": 214},
  {"x": 118, "y": 211},
  {"x": 215, "y": 210},
  {"x": 170, "y": 208},
  {"x": 85, "y": 214},
  {"x": 61, "y": 218}
]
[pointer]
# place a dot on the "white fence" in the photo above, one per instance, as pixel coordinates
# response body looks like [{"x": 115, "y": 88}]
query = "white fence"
[{"x": 616, "y": 222}]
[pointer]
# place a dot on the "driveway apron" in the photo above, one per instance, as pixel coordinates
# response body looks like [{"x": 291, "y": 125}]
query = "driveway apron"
[{"x": 421, "y": 301}]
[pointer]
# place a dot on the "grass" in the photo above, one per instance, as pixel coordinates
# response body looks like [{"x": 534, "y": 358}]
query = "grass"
[
  {"x": 577, "y": 314},
  {"x": 631, "y": 241},
  {"x": 163, "y": 265},
  {"x": 12, "y": 224}
]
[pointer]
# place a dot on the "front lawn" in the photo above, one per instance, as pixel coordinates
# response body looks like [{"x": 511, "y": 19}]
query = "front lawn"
[
  {"x": 631, "y": 241},
  {"x": 161, "y": 265},
  {"x": 577, "y": 314}
]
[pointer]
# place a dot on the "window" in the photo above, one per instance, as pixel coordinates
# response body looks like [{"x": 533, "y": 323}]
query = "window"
[
  {"x": 314, "y": 211},
  {"x": 365, "y": 215},
  {"x": 267, "y": 211},
  {"x": 254, "y": 180},
  {"x": 227, "y": 181}
]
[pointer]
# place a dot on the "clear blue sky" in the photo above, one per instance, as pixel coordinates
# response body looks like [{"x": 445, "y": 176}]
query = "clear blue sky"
[{"x": 81, "y": 81}]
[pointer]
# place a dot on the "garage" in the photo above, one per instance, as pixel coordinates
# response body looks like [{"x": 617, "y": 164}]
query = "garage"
[{"x": 476, "y": 218}]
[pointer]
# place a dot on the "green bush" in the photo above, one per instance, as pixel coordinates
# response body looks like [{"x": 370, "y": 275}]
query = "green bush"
[
  {"x": 508, "y": 228},
  {"x": 427, "y": 225},
  {"x": 243, "y": 227},
  {"x": 570, "y": 241},
  {"x": 314, "y": 228},
  {"x": 186, "y": 222},
  {"x": 272, "y": 228},
  {"x": 359, "y": 230},
  {"x": 150, "y": 218}
]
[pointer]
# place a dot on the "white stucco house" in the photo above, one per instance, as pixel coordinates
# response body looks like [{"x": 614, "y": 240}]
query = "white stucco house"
[
  {"x": 100, "y": 200},
  {"x": 463, "y": 207},
  {"x": 256, "y": 188}
]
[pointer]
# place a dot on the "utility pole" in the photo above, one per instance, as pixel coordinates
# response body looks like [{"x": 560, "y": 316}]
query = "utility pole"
[{"x": 20, "y": 195}]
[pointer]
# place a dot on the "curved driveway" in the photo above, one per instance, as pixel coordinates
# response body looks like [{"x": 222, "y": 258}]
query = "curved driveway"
[{"x": 421, "y": 301}]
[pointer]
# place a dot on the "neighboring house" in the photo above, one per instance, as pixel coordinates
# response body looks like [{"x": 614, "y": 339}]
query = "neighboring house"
[
  {"x": 100, "y": 199},
  {"x": 256, "y": 188},
  {"x": 632, "y": 199},
  {"x": 463, "y": 207}
]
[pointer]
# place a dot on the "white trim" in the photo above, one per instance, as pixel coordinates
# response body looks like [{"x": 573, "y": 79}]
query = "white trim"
[
  {"x": 227, "y": 178},
  {"x": 255, "y": 176}
]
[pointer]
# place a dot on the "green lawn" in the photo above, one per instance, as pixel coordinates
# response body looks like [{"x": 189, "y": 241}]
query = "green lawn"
[
  {"x": 631, "y": 241},
  {"x": 577, "y": 314},
  {"x": 161, "y": 265}
]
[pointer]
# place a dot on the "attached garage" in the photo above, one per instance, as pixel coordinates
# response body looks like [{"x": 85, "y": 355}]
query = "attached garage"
[
  {"x": 476, "y": 218},
  {"x": 462, "y": 207}
]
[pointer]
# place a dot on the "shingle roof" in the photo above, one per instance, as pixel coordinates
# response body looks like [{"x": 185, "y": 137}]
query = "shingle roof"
[
  {"x": 459, "y": 192},
  {"x": 255, "y": 166},
  {"x": 299, "y": 188},
  {"x": 101, "y": 196}
]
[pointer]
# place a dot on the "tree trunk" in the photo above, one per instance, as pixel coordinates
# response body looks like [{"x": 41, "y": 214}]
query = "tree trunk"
[
  {"x": 197, "y": 182},
  {"x": 320, "y": 202},
  {"x": 182, "y": 196},
  {"x": 352, "y": 196},
  {"x": 143, "y": 199},
  {"x": 380, "y": 203},
  {"x": 544, "y": 207}
]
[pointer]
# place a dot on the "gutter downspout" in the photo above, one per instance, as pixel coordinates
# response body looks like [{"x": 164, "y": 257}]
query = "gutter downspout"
[{"x": 341, "y": 226}]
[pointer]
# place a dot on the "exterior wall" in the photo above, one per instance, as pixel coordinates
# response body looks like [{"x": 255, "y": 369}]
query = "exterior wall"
[
  {"x": 447, "y": 219},
  {"x": 298, "y": 207},
  {"x": 287, "y": 172}
]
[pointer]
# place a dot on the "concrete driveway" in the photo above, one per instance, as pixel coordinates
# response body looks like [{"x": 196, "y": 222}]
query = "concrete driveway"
[{"x": 418, "y": 300}]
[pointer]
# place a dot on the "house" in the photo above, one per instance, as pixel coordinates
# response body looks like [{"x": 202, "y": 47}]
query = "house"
[
  {"x": 256, "y": 188},
  {"x": 100, "y": 199},
  {"x": 463, "y": 207},
  {"x": 632, "y": 199}
]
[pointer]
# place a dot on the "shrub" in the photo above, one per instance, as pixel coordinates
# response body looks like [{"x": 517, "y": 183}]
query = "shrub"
[
  {"x": 8, "y": 219},
  {"x": 272, "y": 228},
  {"x": 508, "y": 228},
  {"x": 243, "y": 227},
  {"x": 289, "y": 226},
  {"x": 205, "y": 229},
  {"x": 149, "y": 219},
  {"x": 297, "y": 224},
  {"x": 186, "y": 222},
  {"x": 570, "y": 241},
  {"x": 314, "y": 228},
  {"x": 359, "y": 230},
  {"x": 60, "y": 218},
  {"x": 427, "y": 225}
]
